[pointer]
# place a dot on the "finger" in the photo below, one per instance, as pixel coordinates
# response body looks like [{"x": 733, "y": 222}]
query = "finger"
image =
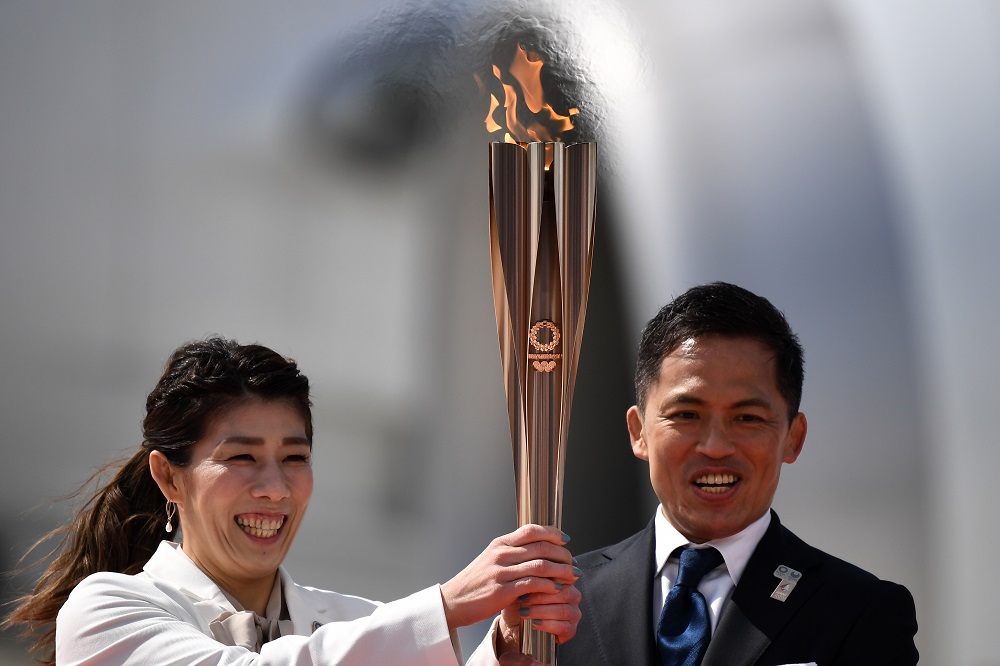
[
  {"x": 543, "y": 569},
  {"x": 551, "y": 581},
  {"x": 563, "y": 630},
  {"x": 563, "y": 612},
  {"x": 515, "y": 659},
  {"x": 565, "y": 574},
  {"x": 536, "y": 550},
  {"x": 568, "y": 594},
  {"x": 528, "y": 559},
  {"x": 530, "y": 533}
]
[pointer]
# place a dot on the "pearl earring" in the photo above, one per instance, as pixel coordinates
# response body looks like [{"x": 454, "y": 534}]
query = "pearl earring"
[{"x": 171, "y": 511}]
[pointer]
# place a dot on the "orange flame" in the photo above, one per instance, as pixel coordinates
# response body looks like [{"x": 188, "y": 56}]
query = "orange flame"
[
  {"x": 545, "y": 123},
  {"x": 527, "y": 69},
  {"x": 491, "y": 125}
]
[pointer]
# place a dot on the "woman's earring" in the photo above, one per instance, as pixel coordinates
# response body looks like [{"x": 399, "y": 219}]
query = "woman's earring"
[{"x": 171, "y": 511}]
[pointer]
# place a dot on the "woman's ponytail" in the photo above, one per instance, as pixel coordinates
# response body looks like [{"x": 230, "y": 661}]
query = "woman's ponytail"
[{"x": 117, "y": 530}]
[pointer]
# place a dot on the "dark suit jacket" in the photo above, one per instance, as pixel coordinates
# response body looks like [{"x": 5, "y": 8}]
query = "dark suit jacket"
[{"x": 837, "y": 614}]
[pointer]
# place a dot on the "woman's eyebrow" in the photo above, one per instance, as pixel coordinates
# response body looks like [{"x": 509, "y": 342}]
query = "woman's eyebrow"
[{"x": 258, "y": 441}]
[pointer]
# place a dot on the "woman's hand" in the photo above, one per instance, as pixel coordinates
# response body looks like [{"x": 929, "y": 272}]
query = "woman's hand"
[{"x": 528, "y": 568}]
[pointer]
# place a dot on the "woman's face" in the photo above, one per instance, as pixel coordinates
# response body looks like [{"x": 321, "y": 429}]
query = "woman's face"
[{"x": 242, "y": 497}]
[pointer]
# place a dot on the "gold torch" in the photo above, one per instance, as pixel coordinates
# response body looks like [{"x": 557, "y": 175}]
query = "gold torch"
[{"x": 542, "y": 196}]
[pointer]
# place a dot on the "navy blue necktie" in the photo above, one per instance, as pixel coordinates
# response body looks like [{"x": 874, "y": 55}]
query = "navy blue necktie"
[{"x": 685, "y": 628}]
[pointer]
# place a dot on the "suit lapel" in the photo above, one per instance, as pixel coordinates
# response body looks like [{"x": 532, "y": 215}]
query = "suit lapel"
[
  {"x": 617, "y": 600},
  {"x": 737, "y": 642},
  {"x": 752, "y": 620}
]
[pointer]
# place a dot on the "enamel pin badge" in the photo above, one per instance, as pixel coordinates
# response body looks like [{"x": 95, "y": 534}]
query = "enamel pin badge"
[{"x": 789, "y": 578}]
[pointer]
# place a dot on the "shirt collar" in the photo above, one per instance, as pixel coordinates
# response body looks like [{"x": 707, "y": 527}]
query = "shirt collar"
[{"x": 736, "y": 549}]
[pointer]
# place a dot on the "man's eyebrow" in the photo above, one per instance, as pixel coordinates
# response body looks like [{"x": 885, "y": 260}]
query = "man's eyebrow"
[
  {"x": 688, "y": 399},
  {"x": 753, "y": 402},
  {"x": 680, "y": 399},
  {"x": 684, "y": 399}
]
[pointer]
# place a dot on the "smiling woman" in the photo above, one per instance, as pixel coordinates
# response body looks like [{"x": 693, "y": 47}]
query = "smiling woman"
[
  {"x": 242, "y": 496},
  {"x": 226, "y": 452}
]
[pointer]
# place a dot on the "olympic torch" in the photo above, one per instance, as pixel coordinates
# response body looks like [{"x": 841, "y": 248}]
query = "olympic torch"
[{"x": 542, "y": 203}]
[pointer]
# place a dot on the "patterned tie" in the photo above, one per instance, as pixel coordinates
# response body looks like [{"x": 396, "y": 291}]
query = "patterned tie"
[{"x": 684, "y": 630}]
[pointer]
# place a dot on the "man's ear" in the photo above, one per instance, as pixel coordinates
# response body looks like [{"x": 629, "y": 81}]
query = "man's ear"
[
  {"x": 796, "y": 438},
  {"x": 165, "y": 475},
  {"x": 634, "y": 418}
]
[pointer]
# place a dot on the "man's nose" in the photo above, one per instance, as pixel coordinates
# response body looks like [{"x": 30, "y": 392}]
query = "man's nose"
[{"x": 716, "y": 441}]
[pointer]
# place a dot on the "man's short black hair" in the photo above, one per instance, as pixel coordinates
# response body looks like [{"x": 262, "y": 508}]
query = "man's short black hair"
[{"x": 722, "y": 309}]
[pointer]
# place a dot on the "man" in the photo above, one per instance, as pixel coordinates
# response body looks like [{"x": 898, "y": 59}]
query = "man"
[{"x": 718, "y": 384}]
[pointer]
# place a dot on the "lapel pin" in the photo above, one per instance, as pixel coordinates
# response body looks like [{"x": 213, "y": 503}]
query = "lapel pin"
[{"x": 789, "y": 577}]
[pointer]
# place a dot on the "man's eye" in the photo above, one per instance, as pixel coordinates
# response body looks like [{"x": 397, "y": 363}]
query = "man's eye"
[
  {"x": 684, "y": 416},
  {"x": 748, "y": 418}
]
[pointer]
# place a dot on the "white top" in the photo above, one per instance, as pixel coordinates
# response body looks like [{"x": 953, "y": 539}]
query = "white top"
[
  {"x": 161, "y": 617},
  {"x": 718, "y": 584}
]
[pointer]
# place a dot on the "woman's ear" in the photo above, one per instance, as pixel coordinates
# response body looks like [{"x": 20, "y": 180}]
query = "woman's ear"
[{"x": 165, "y": 475}]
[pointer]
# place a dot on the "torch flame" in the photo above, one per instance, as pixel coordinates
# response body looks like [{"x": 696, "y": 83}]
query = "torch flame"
[
  {"x": 491, "y": 125},
  {"x": 527, "y": 69},
  {"x": 545, "y": 124}
]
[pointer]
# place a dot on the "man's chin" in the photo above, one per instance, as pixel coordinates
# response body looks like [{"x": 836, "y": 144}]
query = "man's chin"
[{"x": 699, "y": 529}]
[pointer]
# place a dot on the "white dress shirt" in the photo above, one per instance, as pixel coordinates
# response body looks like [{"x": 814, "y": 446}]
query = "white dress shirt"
[{"x": 718, "y": 584}]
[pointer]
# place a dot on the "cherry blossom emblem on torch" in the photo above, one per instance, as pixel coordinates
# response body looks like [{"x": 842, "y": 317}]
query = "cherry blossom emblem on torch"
[{"x": 542, "y": 204}]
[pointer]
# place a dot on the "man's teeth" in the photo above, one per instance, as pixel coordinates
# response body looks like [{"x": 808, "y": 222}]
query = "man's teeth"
[
  {"x": 716, "y": 483},
  {"x": 260, "y": 527}
]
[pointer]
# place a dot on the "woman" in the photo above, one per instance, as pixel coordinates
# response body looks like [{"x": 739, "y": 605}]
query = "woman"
[{"x": 226, "y": 455}]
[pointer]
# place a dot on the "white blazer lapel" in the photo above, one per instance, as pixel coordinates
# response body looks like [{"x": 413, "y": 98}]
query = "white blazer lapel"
[
  {"x": 308, "y": 611},
  {"x": 171, "y": 565}
]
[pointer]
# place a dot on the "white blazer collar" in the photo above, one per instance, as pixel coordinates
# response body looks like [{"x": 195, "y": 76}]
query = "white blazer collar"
[
  {"x": 170, "y": 565},
  {"x": 307, "y": 609}
]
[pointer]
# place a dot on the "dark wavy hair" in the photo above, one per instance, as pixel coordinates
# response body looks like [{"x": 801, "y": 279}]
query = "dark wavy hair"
[
  {"x": 722, "y": 309},
  {"x": 121, "y": 524}
]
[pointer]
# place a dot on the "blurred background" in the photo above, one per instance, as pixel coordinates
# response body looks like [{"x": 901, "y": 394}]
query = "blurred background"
[{"x": 312, "y": 176}]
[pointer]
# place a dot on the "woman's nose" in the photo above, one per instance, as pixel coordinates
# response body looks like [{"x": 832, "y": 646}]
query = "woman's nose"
[{"x": 271, "y": 483}]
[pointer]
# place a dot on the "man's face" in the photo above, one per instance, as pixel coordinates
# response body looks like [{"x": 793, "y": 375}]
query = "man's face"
[{"x": 715, "y": 432}]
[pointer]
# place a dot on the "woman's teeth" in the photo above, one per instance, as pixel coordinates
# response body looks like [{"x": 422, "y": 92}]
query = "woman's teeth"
[
  {"x": 716, "y": 483},
  {"x": 263, "y": 528}
]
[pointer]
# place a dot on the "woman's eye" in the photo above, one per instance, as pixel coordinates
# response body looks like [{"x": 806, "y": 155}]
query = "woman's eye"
[
  {"x": 242, "y": 456},
  {"x": 298, "y": 458}
]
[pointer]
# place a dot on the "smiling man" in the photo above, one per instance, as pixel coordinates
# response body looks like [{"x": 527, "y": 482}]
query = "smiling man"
[{"x": 715, "y": 579}]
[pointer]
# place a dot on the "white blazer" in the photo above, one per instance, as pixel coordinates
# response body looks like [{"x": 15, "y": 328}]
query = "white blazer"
[{"x": 161, "y": 617}]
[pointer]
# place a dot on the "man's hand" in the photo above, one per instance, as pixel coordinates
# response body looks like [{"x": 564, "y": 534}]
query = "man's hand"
[
  {"x": 556, "y": 614},
  {"x": 516, "y": 659}
]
